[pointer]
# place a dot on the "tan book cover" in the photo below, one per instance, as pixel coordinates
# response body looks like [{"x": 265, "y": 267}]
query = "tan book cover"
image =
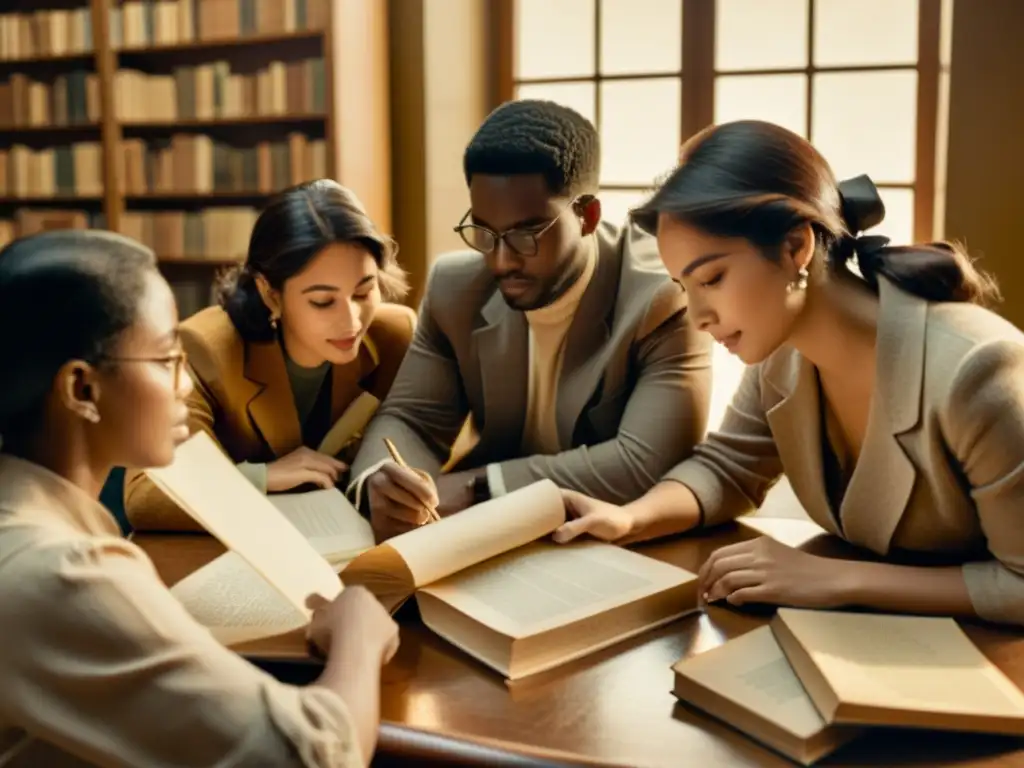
[
  {"x": 892, "y": 670},
  {"x": 748, "y": 684},
  {"x": 204, "y": 482},
  {"x": 488, "y": 581}
]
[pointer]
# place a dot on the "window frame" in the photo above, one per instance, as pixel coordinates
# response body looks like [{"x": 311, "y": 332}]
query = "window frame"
[{"x": 697, "y": 76}]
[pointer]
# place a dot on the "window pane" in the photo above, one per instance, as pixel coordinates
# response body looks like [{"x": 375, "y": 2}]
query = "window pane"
[
  {"x": 641, "y": 36},
  {"x": 579, "y": 96},
  {"x": 554, "y": 39},
  {"x": 760, "y": 34},
  {"x": 898, "y": 224},
  {"x": 726, "y": 373},
  {"x": 615, "y": 203},
  {"x": 779, "y": 99},
  {"x": 865, "y": 122},
  {"x": 848, "y": 32},
  {"x": 640, "y": 129}
]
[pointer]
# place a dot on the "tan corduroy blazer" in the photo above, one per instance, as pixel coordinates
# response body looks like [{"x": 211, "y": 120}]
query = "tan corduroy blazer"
[
  {"x": 243, "y": 398},
  {"x": 941, "y": 470},
  {"x": 633, "y": 393}
]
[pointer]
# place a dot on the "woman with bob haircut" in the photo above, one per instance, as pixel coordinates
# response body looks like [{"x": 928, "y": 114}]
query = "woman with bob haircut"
[
  {"x": 291, "y": 365},
  {"x": 101, "y": 665},
  {"x": 891, "y": 399}
]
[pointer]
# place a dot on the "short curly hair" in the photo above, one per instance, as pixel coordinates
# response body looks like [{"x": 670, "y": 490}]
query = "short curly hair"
[{"x": 532, "y": 136}]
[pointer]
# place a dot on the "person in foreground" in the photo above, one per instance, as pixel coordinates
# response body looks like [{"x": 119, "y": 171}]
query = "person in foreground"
[
  {"x": 562, "y": 338},
  {"x": 100, "y": 664},
  {"x": 892, "y": 401},
  {"x": 300, "y": 343}
]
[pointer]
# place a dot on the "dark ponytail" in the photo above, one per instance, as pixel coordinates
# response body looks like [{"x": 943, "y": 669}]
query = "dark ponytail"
[
  {"x": 937, "y": 271},
  {"x": 759, "y": 181},
  {"x": 295, "y": 226}
]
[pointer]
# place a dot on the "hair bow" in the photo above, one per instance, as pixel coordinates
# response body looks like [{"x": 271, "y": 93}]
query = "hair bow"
[{"x": 862, "y": 206}]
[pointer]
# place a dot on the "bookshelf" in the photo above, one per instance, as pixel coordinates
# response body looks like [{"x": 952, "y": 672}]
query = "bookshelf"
[{"x": 172, "y": 121}]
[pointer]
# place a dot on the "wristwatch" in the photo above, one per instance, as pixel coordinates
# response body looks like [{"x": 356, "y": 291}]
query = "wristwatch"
[{"x": 480, "y": 488}]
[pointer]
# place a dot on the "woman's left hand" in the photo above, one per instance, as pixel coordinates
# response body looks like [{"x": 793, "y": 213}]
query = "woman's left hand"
[{"x": 765, "y": 571}]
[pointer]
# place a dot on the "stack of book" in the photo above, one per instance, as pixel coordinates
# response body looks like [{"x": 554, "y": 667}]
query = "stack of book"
[
  {"x": 45, "y": 33},
  {"x": 28, "y": 221},
  {"x": 144, "y": 23},
  {"x": 812, "y": 681},
  {"x": 215, "y": 90},
  {"x": 69, "y": 170},
  {"x": 70, "y": 98}
]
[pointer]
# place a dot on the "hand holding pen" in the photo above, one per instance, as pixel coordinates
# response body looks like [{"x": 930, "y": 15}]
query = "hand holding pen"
[{"x": 401, "y": 498}]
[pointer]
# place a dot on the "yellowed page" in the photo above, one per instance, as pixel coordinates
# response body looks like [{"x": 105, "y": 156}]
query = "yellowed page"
[
  {"x": 480, "y": 532},
  {"x": 752, "y": 671},
  {"x": 350, "y": 424},
  {"x": 544, "y": 585},
  {"x": 328, "y": 521},
  {"x": 204, "y": 482},
  {"x": 912, "y": 663},
  {"x": 230, "y": 598}
]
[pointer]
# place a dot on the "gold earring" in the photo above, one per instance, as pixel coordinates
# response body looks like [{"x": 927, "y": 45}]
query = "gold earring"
[{"x": 800, "y": 284}]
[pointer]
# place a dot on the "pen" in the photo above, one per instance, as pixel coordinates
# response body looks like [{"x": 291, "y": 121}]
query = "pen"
[{"x": 397, "y": 458}]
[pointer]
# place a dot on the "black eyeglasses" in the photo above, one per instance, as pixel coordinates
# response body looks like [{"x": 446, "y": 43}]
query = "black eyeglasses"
[
  {"x": 174, "y": 361},
  {"x": 521, "y": 241}
]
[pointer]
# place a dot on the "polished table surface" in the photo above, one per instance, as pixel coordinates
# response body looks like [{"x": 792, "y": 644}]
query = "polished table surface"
[{"x": 615, "y": 707}]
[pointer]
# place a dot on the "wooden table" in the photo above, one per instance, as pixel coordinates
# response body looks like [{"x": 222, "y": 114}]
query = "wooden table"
[{"x": 615, "y": 707}]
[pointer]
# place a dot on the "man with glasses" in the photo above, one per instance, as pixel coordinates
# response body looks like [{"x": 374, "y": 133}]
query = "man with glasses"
[{"x": 559, "y": 336}]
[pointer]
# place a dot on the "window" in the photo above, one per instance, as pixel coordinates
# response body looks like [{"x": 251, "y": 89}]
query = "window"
[
  {"x": 618, "y": 63},
  {"x": 859, "y": 79}
]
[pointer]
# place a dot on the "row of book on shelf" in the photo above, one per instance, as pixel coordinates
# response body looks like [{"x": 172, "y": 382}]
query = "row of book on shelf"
[
  {"x": 204, "y": 92},
  {"x": 186, "y": 164},
  {"x": 490, "y": 582},
  {"x": 141, "y": 23},
  {"x": 214, "y": 90},
  {"x": 42, "y": 33},
  {"x": 219, "y": 235},
  {"x": 46, "y": 32}
]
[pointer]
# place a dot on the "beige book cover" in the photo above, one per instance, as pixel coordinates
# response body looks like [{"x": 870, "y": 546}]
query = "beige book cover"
[
  {"x": 237, "y": 604},
  {"x": 489, "y": 582},
  {"x": 204, "y": 482},
  {"x": 892, "y": 670},
  {"x": 748, "y": 684}
]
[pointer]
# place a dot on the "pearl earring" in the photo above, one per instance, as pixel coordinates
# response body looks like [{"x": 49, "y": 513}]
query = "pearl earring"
[
  {"x": 800, "y": 284},
  {"x": 273, "y": 322}
]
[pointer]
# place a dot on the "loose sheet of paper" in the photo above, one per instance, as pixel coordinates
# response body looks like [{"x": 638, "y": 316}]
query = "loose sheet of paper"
[
  {"x": 237, "y": 604},
  {"x": 544, "y": 585},
  {"x": 752, "y": 671},
  {"x": 903, "y": 662},
  {"x": 203, "y": 481},
  {"x": 480, "y": 532},
  {"x": 328, "y": 521}
]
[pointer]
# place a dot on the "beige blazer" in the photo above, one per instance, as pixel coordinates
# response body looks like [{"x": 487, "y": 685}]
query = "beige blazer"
[
  {"x": 941, "y": 470},
  {"x": 101, "y": 665},
  {"x": 244, "y": 401},
  {"x": 632, "y": 397}
]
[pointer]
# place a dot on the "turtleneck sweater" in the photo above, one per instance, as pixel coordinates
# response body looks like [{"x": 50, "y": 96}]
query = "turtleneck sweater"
[{"x": 548, "y": 328}]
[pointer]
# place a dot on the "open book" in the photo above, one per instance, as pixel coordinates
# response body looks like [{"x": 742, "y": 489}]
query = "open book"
[
  {"x": 237, "y": 604},
  {"x": 748, "y": 684},
  {"x": 487, "y": 582},
  {"x": 909, "y": 671},
  {"x": 261, "y": 540}
]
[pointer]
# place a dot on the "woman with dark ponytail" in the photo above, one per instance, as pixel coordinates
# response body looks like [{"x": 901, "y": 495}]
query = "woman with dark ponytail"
[
  {"x": 876, "y": 381},
  {"x": 292, "y": 364}
]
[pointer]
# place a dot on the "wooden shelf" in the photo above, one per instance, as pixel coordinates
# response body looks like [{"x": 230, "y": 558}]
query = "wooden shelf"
[
  {"x": 214, "y": 124},
  {"x": 63, "y": 61},
  {"x": 225, "y": 47},
  {"x": 198, "y": 261},
  {"x": 52, "y": 201},
  {"x": 39, "y": 134},
  {"x": 153, "y": 200}
]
